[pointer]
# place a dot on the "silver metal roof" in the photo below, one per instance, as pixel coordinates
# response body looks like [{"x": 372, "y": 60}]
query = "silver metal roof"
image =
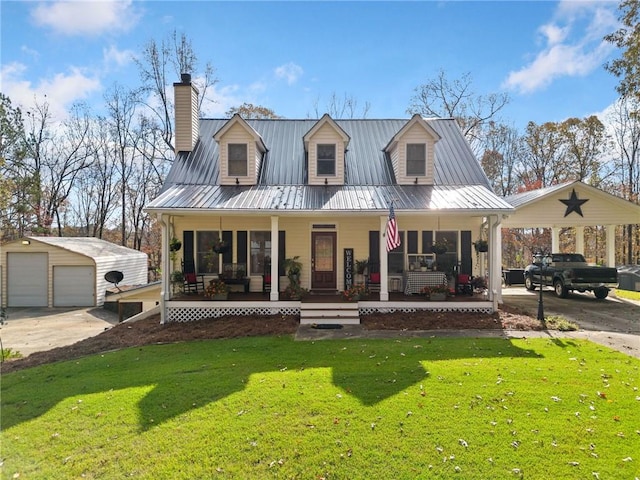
[
  {"x": 350, "y": 198},
  {"x": 459, "y": 183},
  {"x": 89, "y": 246},
  {"x": 523, "y": 198}
]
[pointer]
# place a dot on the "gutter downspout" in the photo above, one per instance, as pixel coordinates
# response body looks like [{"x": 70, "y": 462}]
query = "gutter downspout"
[{"x": 166, "y": 267}]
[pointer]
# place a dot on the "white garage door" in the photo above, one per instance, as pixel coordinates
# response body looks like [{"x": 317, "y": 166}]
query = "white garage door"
[
  {"x": 27, "y": 279},
  {"x": 74, "y": 286}
]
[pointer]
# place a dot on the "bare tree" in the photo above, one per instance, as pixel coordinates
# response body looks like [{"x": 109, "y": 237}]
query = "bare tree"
[
  {"x": 626, "y": 135},
  {"x": 441, "y": 97},
  {"x": 249, "y": 110},
  {"x": 504, "y": 151},
  {"x": 161, "y": 64},
  {"x": 345, "y": 107}
]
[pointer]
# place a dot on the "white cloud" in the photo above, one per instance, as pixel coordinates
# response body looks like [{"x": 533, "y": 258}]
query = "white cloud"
[
  {"x": 59, "y": 91},
  {"x": 119, "y": 58},
  {"x": 573, "y": 45},
  {"x": 90, "y": 18},
  {"x": 290, "y": 72}
]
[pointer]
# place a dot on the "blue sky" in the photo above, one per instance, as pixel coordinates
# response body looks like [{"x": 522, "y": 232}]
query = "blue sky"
[{"x": 290, "y": 56}]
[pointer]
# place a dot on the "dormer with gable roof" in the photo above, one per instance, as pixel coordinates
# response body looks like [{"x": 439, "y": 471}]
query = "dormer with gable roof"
[
  {"x": 325, "y": 147},
  {"x": 411, "y": 151},
  {"x": 241, "y": 150}
]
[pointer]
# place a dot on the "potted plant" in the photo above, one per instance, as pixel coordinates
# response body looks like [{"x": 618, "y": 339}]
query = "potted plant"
[
  {"x": 439, "y": 247},
  {"x": 294, "y": 292},
  {"x": 293, "y": 267},
  {"x": 177, "y": 279},
  {"x": 481, "y": 245},
  {"x": 360, "y": 267},
  {"x": 217, "y": 290},
  {"x": 424, "y": 264},
  {"x": 436, "y": 292},
  {"x": 355, "y": 293},
  {"x": 479, "y": 284}
]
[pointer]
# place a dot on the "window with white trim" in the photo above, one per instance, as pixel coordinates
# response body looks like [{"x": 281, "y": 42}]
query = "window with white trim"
[
  {"x": 416, "y": 159},
  {"x": 260, "y": 252},
  {"x": 237, "y": 159},
  {"x": 326, "y": 161},
  {"x": 206, "y": 259}
]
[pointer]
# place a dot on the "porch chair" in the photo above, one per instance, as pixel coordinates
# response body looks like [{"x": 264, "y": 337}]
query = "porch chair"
[
  {"x": 266, "y": 277},
  {"x": 193, "y": 282},
  {"x": 463, "y": 284},
  {"x": 373, "y": 277}
]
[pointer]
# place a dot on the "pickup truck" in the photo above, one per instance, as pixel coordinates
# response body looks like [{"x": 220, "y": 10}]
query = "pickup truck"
[{"x": 568, "y": 272}]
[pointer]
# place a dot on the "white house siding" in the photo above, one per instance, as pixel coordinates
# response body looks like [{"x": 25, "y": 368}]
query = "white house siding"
[
  {"x": 186, "y": 113},
  {"x": 134, "y": 267},
  {"x": 238, "y": 134},
  {"x": 326, "y": 134}
]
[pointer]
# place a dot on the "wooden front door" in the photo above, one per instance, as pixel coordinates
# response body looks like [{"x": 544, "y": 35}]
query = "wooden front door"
[{"x": 323, "y": 260}]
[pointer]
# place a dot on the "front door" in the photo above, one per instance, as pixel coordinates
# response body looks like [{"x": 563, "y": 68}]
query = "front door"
[{"x": 323, "y": 261}]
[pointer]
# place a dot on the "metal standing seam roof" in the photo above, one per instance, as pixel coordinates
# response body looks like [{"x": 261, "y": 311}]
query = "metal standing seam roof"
[
  {"x": 519, "y": 199},
  {"x": 89, "y": 246},
  {"x": 459, "y": 183}
]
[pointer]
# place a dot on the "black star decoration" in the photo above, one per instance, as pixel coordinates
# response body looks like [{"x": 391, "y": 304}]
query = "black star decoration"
[{"x": 574, "y": 204}]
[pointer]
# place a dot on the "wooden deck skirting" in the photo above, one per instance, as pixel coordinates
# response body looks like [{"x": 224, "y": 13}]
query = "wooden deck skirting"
[{"x": 328, "y": 308}]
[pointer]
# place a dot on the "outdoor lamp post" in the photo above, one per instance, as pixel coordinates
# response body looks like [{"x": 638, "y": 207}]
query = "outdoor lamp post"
[{"x": 541, "y": 260}]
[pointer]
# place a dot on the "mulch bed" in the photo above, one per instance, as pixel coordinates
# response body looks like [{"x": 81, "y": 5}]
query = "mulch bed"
[{"x": 150, "y": 331}]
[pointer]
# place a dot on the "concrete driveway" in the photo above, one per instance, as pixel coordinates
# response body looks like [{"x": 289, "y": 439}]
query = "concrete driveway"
[{"x": 35, "y": 329}]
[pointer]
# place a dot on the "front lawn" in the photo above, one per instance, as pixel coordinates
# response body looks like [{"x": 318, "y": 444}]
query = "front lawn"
[{"x": 269, "y": 407}]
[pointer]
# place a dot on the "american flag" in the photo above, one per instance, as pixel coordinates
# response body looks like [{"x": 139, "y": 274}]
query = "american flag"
[{"x": 393, "y": 237}]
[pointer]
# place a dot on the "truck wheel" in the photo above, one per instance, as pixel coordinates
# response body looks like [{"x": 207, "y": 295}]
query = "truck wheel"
[
  {"x": 560, "y": 289},
  {"x": 601, "y": 293},
  {"x": 528, "y": 283}
]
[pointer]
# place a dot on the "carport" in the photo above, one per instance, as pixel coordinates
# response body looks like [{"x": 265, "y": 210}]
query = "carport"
[
  {"x": 574, "y": 204},
  {"x": 64, "y": 271}
]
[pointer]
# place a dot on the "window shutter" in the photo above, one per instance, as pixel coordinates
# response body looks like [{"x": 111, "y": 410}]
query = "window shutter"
[
  {"x": 227, "y": 237},
  {"x": 187, "y": 245},
  {"x": 465, "y": 252},
  {"x": 427, "y": 241},
  {"x": 241, "y": 254},
  {"x": 412, "y": 241},
  {"x": 282, "y": 252},
  {"x": 374, "y": 246}
]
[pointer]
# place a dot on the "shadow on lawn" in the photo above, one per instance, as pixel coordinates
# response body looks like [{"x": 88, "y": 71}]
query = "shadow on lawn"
[{"x": 199, "y": 373}]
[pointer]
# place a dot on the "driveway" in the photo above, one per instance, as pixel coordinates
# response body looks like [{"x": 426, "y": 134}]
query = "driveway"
[
  {"x": 612, "y": 322},
  {"x": 29, "y": 330}
]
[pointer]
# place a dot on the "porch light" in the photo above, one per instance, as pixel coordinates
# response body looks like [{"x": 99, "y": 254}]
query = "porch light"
[{"x": 26, "y": 242}]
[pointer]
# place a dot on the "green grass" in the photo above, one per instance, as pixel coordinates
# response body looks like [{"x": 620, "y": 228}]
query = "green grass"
[
  {"x": 274, "y": 408},
  {"x": 628, "y": 294}
]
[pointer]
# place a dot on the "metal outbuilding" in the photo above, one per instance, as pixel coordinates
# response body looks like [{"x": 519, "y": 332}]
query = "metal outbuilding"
[{"x": 64, "y": 271}]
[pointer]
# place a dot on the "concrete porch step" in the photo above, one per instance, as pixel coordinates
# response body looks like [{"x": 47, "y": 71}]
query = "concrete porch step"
[{"x": 329, "y": 313}]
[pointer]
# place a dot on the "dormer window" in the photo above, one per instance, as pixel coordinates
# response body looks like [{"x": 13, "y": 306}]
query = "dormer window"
[
  {"x": 238, "y": 159},
  {"x": 416, "y": 159},
  {"x": 326, "y": 159}
]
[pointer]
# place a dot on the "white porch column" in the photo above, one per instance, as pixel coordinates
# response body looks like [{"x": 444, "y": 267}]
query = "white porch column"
[
  {"x": 498, "y": 256},
  {"x": 384, "y": 261},
  {"x": 580, "y": 240},
  {"x": 495, "y": 260},
  {"x": 165, "y": 265},
  {"x": 274, "y": 294},
  {"x": 555, "y": 239},
  {"x": 611, "y": 245}
]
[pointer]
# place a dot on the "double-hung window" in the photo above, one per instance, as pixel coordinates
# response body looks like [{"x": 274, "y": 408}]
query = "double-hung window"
[
  {"x": 237, "y": 162},
  {"x": 206, "y": 259},
  {"x": 416, "y": 159},
  {"x": 326, "y": 159}
]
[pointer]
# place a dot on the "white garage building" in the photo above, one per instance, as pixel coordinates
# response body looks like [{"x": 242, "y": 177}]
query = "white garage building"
[{"x": 64, "y": 271}]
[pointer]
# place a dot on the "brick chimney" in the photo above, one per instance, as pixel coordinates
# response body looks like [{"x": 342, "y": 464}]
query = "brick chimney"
[{"x": 186, "y": 112}]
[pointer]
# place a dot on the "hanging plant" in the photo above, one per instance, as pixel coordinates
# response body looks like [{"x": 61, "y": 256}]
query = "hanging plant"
[
  {"x": 481, "y": 246},
  {"x": 220, "y": 247},
  {"x": 175, "y": 245},
  {"x": 439, "y": 247}
]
